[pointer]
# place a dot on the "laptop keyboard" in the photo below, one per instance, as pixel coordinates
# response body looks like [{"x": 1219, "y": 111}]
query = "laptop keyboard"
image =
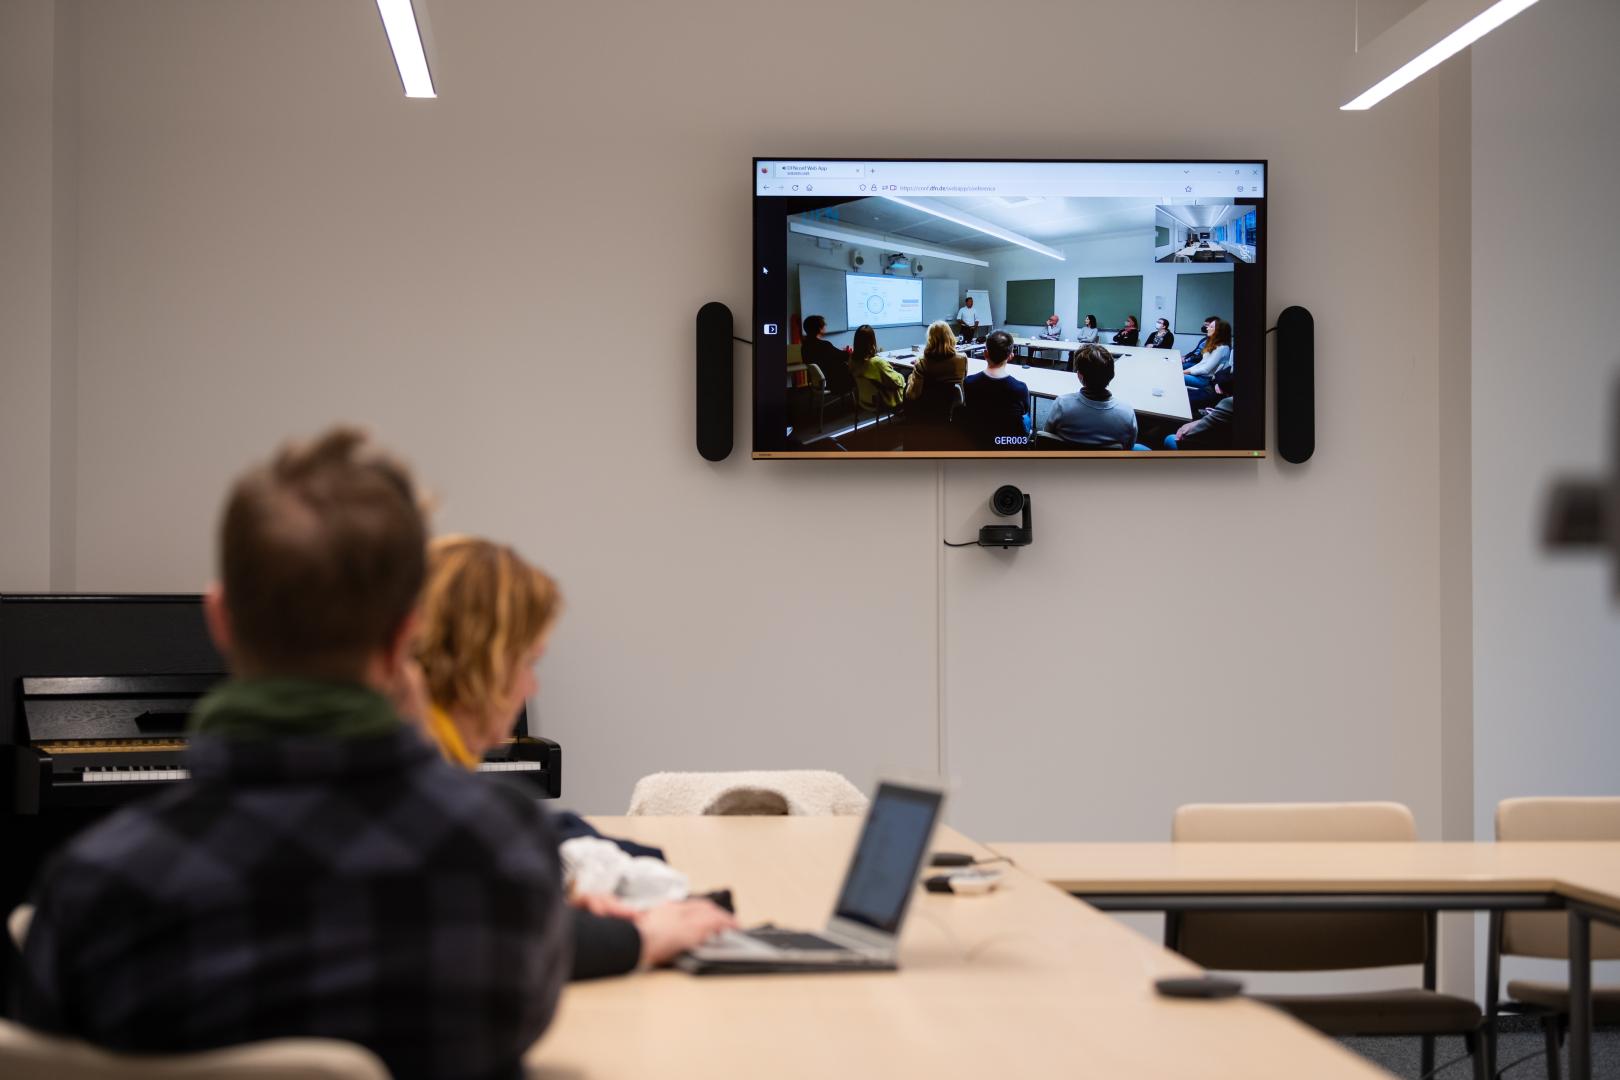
[{"x": 793, "y": 939}]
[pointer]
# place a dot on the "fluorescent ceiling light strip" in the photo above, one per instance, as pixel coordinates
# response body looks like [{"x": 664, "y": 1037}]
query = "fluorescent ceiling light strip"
[
  {"x": 1436, "y": 54},
  {"x": 850, "y": 236},
  {"x": 978, "y": 225},
  {"x": 399, "y": 20}
]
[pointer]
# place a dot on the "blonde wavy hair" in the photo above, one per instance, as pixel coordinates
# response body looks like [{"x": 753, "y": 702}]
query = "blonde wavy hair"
[
  {"x": 941, "y": 342},
  {"x": 481, "y": 609}
]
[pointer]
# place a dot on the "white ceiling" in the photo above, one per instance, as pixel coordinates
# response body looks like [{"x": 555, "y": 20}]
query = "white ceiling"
[
  {"x": 1052, "y": 220},
  {"x": 1204, "y": 215}
]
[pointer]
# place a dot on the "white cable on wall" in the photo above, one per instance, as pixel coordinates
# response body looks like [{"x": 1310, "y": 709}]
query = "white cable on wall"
[{"x": 941, "y": 745}]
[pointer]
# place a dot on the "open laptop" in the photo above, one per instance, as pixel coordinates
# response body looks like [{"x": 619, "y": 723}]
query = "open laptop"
[{"x": 864, "y": 931}]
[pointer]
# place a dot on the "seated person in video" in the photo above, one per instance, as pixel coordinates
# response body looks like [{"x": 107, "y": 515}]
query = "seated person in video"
[
  {"x": 1128, "y": 335},
  {"x": 1212, "y": 431},
  {"x": 1161, "y": 338},
  {"x": 1193, "y": 355},
  {"x": 1088, "y": 334},
  {"x": 324, "y": 872},
  {"x": 877, "y": 384},
  {"x": 833, "y": 361},
  {"x": 1053, "y": 330},
  {"x": 997, "y": 402},
  {"x": 1214, "y": 363},
  {"x": 931, "y": 388},
  {"x": 485, "y": 618},
  {"x": 1092, "y": 417}
]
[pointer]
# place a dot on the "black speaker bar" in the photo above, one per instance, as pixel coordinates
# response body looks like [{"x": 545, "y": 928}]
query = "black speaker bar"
[
  {"x": 1296, "y": 385},
  {"x": 714, "y": 367}
]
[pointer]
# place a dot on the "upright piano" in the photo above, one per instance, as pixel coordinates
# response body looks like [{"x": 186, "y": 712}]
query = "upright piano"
[{"x": 95, "y": 694}]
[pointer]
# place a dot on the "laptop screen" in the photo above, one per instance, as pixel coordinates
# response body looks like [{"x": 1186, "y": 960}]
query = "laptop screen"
[{"x": 893, "y": 842}]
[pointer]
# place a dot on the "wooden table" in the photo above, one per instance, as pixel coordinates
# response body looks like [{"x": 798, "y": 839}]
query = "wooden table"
[
  {"x": 1580, "y": 878},
  {"x": 1022, "y": 982}
]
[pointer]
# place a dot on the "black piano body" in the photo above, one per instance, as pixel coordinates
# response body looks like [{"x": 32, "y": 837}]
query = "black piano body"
[{"x": 95, "y": 694}]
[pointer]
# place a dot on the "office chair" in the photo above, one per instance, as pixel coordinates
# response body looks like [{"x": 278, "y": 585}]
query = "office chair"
[
  {"x": 28, "y": 1054},
  {"x": 1545, "y": 935},
  {"x": 1327, "y": 941}
]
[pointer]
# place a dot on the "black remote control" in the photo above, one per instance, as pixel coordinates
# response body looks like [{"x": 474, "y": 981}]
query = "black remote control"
[{"x": 1199, "y": 986}]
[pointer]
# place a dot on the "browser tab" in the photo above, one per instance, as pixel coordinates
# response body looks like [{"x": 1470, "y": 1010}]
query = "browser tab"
[{"x": 819, "y": 170}]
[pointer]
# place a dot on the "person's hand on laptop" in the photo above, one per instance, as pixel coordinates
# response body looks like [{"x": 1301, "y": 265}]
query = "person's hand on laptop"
[{"x": 673, "y": 928}]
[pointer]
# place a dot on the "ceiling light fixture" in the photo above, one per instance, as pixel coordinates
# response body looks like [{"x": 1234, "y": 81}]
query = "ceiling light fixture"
[
  {"x": 978, "y": 224},
  {"x": 399, "y": 21},
  {"x": 1434, "y": 31},
  {"x": 851, "y": 236}
]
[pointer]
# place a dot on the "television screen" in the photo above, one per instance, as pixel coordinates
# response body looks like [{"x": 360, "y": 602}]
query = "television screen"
[{"x": 907, "y": 308}]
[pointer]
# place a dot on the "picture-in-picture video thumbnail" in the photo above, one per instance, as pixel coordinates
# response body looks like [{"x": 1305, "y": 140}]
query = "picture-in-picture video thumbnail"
[
  {"x": 1205, "y": 234},
  {"x": 995, "y": 324}
]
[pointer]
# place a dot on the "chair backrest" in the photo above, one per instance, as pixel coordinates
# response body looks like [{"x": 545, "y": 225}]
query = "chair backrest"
[
  {"x": 27, "y": 1054},
  {"x": 1326, "y": 941},
  {"x": 1546, "y": 934},
  {"x": 936, "y": 402},
  {"x": 1045, "y": 440},
  {"x": 818, "y": 379}
]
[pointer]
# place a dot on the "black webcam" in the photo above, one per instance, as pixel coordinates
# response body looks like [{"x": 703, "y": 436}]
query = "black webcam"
[{"x": 1006, "y": 502}]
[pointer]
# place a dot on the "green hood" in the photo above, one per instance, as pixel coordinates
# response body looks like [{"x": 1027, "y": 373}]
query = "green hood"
[{"x": 281, "y": 708}]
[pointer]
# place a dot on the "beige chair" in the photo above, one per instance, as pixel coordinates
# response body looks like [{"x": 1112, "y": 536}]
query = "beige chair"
[
  {"x": 1545, "y": 935},
  {"x": 29, "y": 1055},
  {"x": 1326, "y": 941}
]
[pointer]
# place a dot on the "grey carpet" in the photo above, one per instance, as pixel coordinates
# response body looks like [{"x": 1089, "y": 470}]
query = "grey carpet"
[{"x": 1516, "y": 1040}]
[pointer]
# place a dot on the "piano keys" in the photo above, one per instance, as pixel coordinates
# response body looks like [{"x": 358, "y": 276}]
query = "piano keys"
[
  {"x": 95, "y": 694},
  {"x": 101, "y": 740}
]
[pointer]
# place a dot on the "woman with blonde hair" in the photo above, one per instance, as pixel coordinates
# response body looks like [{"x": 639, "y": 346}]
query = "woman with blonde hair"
[
  {"x": 485, "y": 616},
  {"x": 940, "y": 364},
  {"x": 484, "y": 619}
]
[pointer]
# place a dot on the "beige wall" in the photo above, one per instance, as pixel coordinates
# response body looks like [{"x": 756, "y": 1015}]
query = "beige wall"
[
  {"x": 1546, "y": 633},
  {"x": 503, "y": 283},
  {"x": 26, "y": 92}
]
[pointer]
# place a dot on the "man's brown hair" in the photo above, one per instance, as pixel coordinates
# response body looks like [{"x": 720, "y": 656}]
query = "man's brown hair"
[
  {"x": 1095, "y": 366},
  {"x": 322, "y": 552}
]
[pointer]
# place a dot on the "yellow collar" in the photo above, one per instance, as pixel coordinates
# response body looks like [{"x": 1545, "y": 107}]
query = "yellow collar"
[{"x": 451, "y": 744}]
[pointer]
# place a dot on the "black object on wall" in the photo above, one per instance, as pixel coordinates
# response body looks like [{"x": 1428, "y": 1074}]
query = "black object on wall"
[
  {"x": 1006, "y": 502},
  {"x": 1584, "y": 511},
  {"x": 714, "y": 381},
  {"x": 1296, "y": 384}
]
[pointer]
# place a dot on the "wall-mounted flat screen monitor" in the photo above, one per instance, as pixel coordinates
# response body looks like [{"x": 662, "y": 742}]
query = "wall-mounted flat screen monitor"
[{"x": 909, "y": 308}]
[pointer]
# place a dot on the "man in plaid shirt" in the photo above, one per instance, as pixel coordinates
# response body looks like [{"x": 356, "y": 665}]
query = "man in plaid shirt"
[{"x": 325, "y": 873}]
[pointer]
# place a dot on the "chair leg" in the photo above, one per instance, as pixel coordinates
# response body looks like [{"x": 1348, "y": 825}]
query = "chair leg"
[
  {"x": 1426, "y": 1056},
  {"x": 1493, "y": 985},
  {"x": 1475, "y": 1044},
  {"x": 1551, "y": 1026}
]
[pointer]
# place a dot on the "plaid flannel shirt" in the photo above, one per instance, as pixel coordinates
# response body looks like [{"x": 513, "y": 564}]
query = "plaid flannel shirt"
[{"x": 357, "y": 888}]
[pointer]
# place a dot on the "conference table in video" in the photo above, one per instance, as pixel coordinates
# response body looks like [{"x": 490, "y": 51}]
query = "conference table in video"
[{"x": 1148, "y": 380}]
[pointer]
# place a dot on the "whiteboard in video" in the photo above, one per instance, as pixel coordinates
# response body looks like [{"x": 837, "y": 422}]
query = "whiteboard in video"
[{"x": 879, "y": 300}]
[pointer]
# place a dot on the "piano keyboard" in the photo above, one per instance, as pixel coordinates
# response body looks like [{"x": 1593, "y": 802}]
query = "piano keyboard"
[{"x": 119, "y": 776}]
